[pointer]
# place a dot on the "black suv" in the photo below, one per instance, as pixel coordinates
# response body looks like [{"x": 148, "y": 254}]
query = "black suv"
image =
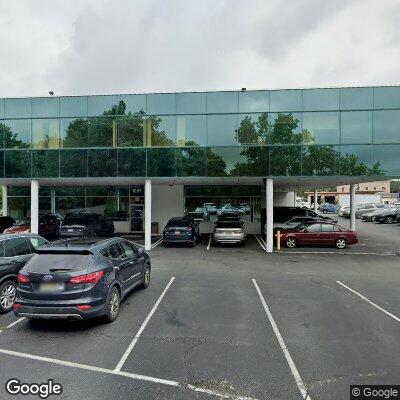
[
  {"x": 181, "y": 230},
  {"x": 15, "y": 251},
  {"x": 85, "y": 225}
]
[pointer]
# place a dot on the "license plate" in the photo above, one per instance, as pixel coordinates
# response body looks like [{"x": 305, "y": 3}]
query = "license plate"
[
  {"x": 51, "y": 287},
  {"x": 177, "y": 232},
  {"x": 70, "y": 230}
]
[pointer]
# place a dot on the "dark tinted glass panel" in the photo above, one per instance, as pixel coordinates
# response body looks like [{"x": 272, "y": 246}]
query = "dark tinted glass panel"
[
  {"x": 74, "y": 132},
  {"x": 73, "y": 106},
  {"x": 191, "y": 130},
  {"x": 222, "y": 102},
  {"x": 285, "y": 160},
  {"x": 45, "y": 163},
  {"x": 387, "y": 158},
  {"x": 1, "y": 164},
  {"x": 356, "y": 98},
  {"x": 387, "y": 97},
  {"x": 132, "y": 103},
  {"x": 1, "y": 112},
  {"x": 102, "y": 163},
  {"x": 161, "y": 162},
  {"x": 73, "y": 163},
  {"x": 18, "y": 164},
  {"x": 98, "y": 105},
  {"x": 386, "y": 126},
  {"x": 222, "y": 129},
  {"x": 190, "y": 103},
  {"x": 69, "y": 203},
  {"x": 191, "y": 161},
  {"x": 254, "y": 101},
  {"x": 102, "y": 132},
  {"x": 320, "y": 160},
  {"x": 250, "y": 129},
  {"x": 46, "y": 107},
  {"x": 163, "y": 103},
  {"x": 222, "y": 161},
  {"x": 356, "y": 160},
  {"x": 253, "y": 161},
  {"x": 17, "y": 108},
  {"x": 321, "y": 128},
  {"x": 160, "y": 131},
  {"x": 17, "y": 133},
  {"x": 132, "y": 162},
  {"x": 320, "y": 99},
  {"x": 281, "y": 128},
  {"x": 285, "y": 100},
  {"x": 45, "y": 133},
  {"x": 130, "y": 131},
  {"x": 356, "y": 127}
]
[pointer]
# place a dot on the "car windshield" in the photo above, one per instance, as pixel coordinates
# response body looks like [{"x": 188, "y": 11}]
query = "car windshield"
[{"x": 231, "y": 224}]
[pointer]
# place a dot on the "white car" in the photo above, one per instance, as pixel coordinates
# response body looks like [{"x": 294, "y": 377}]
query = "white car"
[
  {"x": 210, "y": 207},
  {"x": 205, "y": 212}
]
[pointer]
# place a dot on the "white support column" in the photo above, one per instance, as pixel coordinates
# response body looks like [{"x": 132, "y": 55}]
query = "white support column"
[
  {"x": 315, "y": 200},
  {"x": 4, "y": 197},
  {"x": 147, "y": 214},
  {"x": 53, "y": 201},
  {"x": 269, "y": 210},
  {"x": 34, "y": 206},
  {"x": 352, "y": 206}
]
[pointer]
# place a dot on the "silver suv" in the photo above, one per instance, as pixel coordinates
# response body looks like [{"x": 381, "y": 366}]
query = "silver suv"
[{"x": 367, "y": 208}]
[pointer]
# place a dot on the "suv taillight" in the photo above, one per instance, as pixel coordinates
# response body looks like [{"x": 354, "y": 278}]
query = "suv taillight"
[
  {"x": 94, "y": 277},
  {"x": 22, "y": 278}
]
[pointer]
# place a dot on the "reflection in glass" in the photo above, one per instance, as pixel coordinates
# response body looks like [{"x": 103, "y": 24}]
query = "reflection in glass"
[
  {"x": 134, "y": 103},
  {"x": 387, "y": 97},
  {"x": 130, "y": 131},
  {"x": 356, "y": 98},
  {"x": 45, "y": 163},
  {"x": 73, "y": 163},
  {"x": 161, "y": 162},
  {"x": 102, "y": 162},
  {"x": 17, "y": 133},
  {"x": 191, "y": 130},
  {"x": 222, "y": 129},
  {"x": 17, "y": 164},
  {"x": 102, "y": 132},
  {"x": 320, "y": 99},
  {"x": 160, "y": 131},
  {"x": 254, "y": 101},
  {"x": 74, "y": 132},
  {"x": 161, "y": 103},
  {"x": 285, "y": 160},
  {"x": 191, "y": 161},
  {"x": 357, "y": 160},
  {"x": 43, "y": 107},
  {"x": 386, "y": 126},
  {"x": 320, "y": 160},
  {"x": 75, "y": 106},
  {"x": 1, "y": 108},
  {"x": 253, "y": 161},
  {"x": 387, "y": 157},
  {"x": 45, "y": 134},
  {"x": 132, "y": 162},
  {"x": 222, "y": 161},
  {"x": 190, "y": 103},
  {"x": 222, "y": 102},
  {"x": 99, "y": 105},
  {"x": 286, "y": 100},
  {"x": 321, "y": 128},
  {"x": 1, "y": 164},
  {"x": 17, "y": 108},
  {"x": 356, "y": 127}
]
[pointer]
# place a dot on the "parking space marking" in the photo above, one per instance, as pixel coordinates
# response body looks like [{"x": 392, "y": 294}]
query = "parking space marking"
[
  {"x": 209, "y": 243},
  {"x": 124, "y": 374},
  {"x": 353, "y": 253},
  {"x": 260, "y": 242},
  {"x": 159, "y": 241},
  {"x": 370, "y": 302},
  {"x": 12, "y": 324},
  {"x": 289, "y": 359},
  {"x": 141, "y": 329}
]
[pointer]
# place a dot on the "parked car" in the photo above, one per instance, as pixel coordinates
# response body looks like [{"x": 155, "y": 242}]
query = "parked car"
[
  {"x": 365, "y": 208},
  {"x": 197, "y": 217},
  {"x": 370, "y": 216},
  {"x": 49, "y": 226},
  {"x": 294, "y": 223},
  {"x": 327, "y": 208},
  {"x": 327, "y": 234},
  {"x": 228, "y": 216},
  {"x": 180, "y": 230},
  {"x": 15, "y": 251},
  {"x": 6, "y": 222},
  {"x": 85, "y": 225},
  {"x": 245, "y": 208},
  {"x": 204, "y": 211},
  {"x": 343, "y": 210},
  {"x": 211, "y": 208},
  {"x": 80, "y": 279},
  {"x": 388, "y": 216},
  {"x": 228, "y": 208},
  {"x": 229, "y": 232}
]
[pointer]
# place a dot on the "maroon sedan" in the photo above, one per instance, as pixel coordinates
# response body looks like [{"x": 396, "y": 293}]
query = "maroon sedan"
[{"x": 320, "y": 234}]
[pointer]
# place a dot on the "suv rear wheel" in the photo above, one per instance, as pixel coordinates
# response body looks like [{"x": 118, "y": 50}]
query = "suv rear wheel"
[
  {"x": 7, "y": 296},
  {"x": 146, "y": 277},
  {"x": 113, "y": 303}
]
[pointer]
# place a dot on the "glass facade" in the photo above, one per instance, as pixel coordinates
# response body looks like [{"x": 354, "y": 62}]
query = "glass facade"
[{"x": 295, "y": 132}]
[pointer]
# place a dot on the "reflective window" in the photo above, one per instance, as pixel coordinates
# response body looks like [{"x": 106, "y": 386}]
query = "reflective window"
[
  {"x": 17, "y": 164},
  {"x": 133, "y": 103},
  {"x": 356, "y": 98},
  {"x": 254, "y": 101},
  {"x": 17, "y": 108},
  {"x": 74, "y": 132},
  {"x": 190, "y": 103},
  {"x": 320, "y": 160},
  {"x": 1, "y": 164},
  {"x": 387, "y": 97},
  {"x": 161, "y": 162},
  {"x": 284, "y": 128},
  {"x": 17, "y": 133},
  {"x": 102, "y": 162},
  {"x": 356, "y": 160},
  {"x": 66, "y": 204},
  {"x": 45, "y": 107},
  {"x": 222, "y": 161},
  {"x": 320, "y": 99},
  {"x": 98, "y": 105},
  {"x": 285, "y": 100},
  {"x": 222, "y": 129},
  {"x": 102, "y": 132},
  {"x": 130, "y": 131},
  {"x": 285, "y": 160},
  {"x": 161, "y": 103},
  {"x": 45, "y": 134},
  {"x": 191, "y": 130},
  {"x": 386, "y": 126},
  {"x": 73, "y": 163},
  {"x": 191, "y": 161},
  {"x": 386, "y": 158},
  {"x": 160, "y": 131},
  {"x": 1, "y": 110},
  {"x": 45, "y": 163},
  {"x": 74, "y": 106},
  {"x": 356, "y": 127},
  {"x": 321, "y": 128},
  {"x": 253, "y": 161},
  {"x": 222, "y": 102},
  {"x": 252, "y": 129},
  {"x": 132, "y": 162}
]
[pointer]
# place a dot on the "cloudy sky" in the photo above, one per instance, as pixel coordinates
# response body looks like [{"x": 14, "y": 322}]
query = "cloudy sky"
[{"x": 127, "y": 46}]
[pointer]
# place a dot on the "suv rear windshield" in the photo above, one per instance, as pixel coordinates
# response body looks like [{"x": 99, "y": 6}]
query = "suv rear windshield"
[
  {"x": 74, "y": 220},
  {"x": 178, "y": 223},
  {"x": 229, "y": 225},
  {"x": 58, "y": 261}
]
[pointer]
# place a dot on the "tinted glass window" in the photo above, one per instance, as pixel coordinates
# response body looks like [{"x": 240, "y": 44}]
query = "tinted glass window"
[
  {"x": 286, "y": 100},
  {"x": 190, "y": 103},
  {"x": 356, "y": 98},
  {"x": 73, "y": 106},
  {"x": 74, "y": 262},
  {"x": 356, "y": 127},
  {"x": 17, "y": 108},
  {"x": 387, "y": 97},
  {"x": 2, "y": 249},
  {"x": 386, "y": 126},
  {"x": 45, "y": 107},
  {"x": 326, "y": 228},
  {"x": 321, "y": 127},
  {"x": 37, "y": 241},
  {"x": 115, "y": 251},
  {"x": 254, "y": 101},
  {"x": 222, "y": 102},
  {"x": 337, "y": 229},
  {"x": 314, "y": 228},
  {"x": 191, "y": 130},
  {"x": 161, "y": 103},
  {"x": 16, "y": 247},
  {"x": 129, "y": 249},
  {"x": 320, "y": 99},
  {"x": 178, "y": 223}
]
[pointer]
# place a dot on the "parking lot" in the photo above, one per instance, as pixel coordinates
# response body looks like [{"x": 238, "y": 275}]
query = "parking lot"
[{"x": 230, "y": 322}]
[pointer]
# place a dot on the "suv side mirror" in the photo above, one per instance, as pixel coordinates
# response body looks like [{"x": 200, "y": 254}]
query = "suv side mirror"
[{"x": 140, "y": 250}]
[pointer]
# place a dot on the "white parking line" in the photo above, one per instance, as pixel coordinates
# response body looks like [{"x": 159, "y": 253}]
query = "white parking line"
[
  {"x": 209, "y": 242},
  {"x": 159, "y": 241},
  {"x": 260, "y": 242},
  {"x": 124, "y": 374},
  {"x": 141, "y": 329},
  {"x": 370, "y": 302},
  {"x": 348, "y": 253},
  {"x": 12, "y": 324},
  {"x": 292, "y": 366}
]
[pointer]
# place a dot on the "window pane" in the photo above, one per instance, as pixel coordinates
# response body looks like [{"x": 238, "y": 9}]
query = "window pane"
[
  {"x": 18, "y": 164},
  {"x": 70, "y": 203},
  {"x": 285, "y": 160},
  {"x": 45, "y": 134},
  {"x": 388, "y": 159},
  {"x": 17, "y": 134},
  {"x": 320, "y": 160},
  {"x": 282, "y": 128},
  {"x": 130, "y": 131},
  {"x": 190, "y": 103},
  {"x": 1, "y": 110},
  {"x": 17, "y": 108},
  {"x": 45, "y": 163},
  {"x": 133, "y": 103},
  {"x": 102, "y": 163},
  {"x": 222, "y": 161},
  {"x": 387, "y": 97},
  {"x": 74, "y": 132},
  {"x": 222, "y": 129},
  {"x": 254, "y": 101},
  {"x": 253, "y": 161},
  {"x": 73, "y": 163},
  {"x": 356, "y": 160},
  {"x": 160, "y": 131},
  {"x": 161, "y": 162},
  {"x": 100, "y": 105},
  {"x": 46, "y": 107},
  {"x": 1, "y": 164},
  {"x": 285, "y": 100},
  {"x": 356, "y": 98},
  {"x": 356, "y": 127},
  {"x": 102, "y": 132},
  {"x": 73, "y": 106},
  {"x": 222, "y": 102},
  {"x": 386, "y": 126},
  {"x": 321, "y": 128},
  {"x": 191, "y": 161},
  {"x": 161, "y": 103},
  {"x": 191, "y": 130},
  {"x": 132, "y": 162},
  {"x": 320, "y": 99}
]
